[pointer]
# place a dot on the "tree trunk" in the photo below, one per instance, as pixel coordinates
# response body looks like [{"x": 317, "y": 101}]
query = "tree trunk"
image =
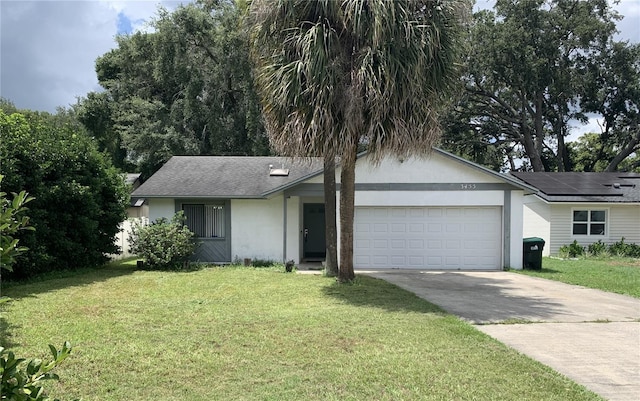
[
  {"x": 347, "y": 198},
  {"x": 562, "y": 151},
  {"x": 331, "y": 231},
  {"x": 626, "y": 151},
  {"x": 528, "y": 142}
]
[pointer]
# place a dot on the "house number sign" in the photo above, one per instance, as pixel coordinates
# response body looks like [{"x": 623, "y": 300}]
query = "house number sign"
[{"x": 467, "y": 186}]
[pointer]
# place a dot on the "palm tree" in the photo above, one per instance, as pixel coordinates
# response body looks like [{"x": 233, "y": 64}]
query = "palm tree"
[{"x": 336, "y": 74}]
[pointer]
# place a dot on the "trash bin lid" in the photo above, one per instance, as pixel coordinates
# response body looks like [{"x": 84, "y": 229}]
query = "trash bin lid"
[{"x": 531, "y": 240}]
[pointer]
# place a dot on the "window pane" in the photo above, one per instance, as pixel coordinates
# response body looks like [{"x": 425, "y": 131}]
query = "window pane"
[
  {"x": 597, "y": 229},
  {"x": 579, "y": 229},
  {"x": 215, "y": 221},
  {"x": 598, "y": 215},
  {"x": 195, "y": 219},
  {"x": 580, "y": 215}
]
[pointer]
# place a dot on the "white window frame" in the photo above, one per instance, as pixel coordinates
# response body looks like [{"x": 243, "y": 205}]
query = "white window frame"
[
  {"x": 607, "y": 217},
  {"x": 214, "y": 225}
]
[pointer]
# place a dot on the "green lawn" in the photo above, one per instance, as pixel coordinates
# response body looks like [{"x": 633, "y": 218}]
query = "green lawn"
[
  {"x": 260, "y": 334},
  {"x": 619, "y": 275}
]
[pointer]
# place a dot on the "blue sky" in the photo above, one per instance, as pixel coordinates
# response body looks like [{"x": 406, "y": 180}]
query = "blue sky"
[
  {"x": 124, "y": 24},
  {"x": 49, "y": 47}
]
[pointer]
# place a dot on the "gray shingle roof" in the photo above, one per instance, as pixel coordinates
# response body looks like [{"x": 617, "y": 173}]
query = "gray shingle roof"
[
  {"x": 584, "y": 187},
  {"x": 225, "y": 176}
]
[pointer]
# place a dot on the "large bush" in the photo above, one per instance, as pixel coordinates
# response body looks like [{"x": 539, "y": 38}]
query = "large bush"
[
  {"x": 164, "y": 244},
  {"x": 80, "y": 199}
]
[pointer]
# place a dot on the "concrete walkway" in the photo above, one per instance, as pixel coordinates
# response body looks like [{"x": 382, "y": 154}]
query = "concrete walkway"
[{"x": 590, "y": 336}]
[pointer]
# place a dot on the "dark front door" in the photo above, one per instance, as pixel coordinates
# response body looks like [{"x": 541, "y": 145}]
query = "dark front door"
[{"x": 313, "y": 242}]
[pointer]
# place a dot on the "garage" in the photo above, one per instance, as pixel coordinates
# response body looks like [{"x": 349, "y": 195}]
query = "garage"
[{"x": 435, "y": 238}]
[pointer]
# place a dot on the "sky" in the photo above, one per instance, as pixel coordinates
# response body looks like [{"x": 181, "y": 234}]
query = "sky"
[{"x": 48, "y": 48}]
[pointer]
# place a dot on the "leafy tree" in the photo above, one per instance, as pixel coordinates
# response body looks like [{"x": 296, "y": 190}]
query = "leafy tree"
[
  {"x": 185, "y": 88},
  {"x": 334, "y": 75},
  {"x": 95, "y": 112},
  {"x": 524, "y": 77},
  {"x": 612, "y": 89},
  {"x": 80, "y": 199}
]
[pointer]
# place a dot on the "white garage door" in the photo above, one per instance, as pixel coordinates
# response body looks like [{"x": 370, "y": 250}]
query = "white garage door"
[{"x": 450, "y": 238}]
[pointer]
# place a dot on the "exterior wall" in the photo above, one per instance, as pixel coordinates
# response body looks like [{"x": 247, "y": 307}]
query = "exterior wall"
[
  {"x": 161, "y": 207},
  {"x": 257, "y": 228},
  {"x": 433, "y": 169},
  {"x": 537, "y": 221},
  {"x": 513, "y": 258},
  {"x": 622, "y": 221}
]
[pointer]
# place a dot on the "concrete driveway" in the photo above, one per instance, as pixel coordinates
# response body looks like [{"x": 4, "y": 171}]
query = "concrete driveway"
[{"x": 590, "y": 336}]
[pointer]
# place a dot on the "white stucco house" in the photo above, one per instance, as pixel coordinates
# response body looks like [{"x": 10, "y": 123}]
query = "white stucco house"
[
  {"x": 585, "y": 207},
  {"x": 440, "y": 212}
]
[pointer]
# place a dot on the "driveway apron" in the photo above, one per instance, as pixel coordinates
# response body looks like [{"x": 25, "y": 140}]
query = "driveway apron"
[{"x": 590, "y": 336}]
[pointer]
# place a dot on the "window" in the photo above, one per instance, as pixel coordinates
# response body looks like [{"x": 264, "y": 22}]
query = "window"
[
  {"x": 206, "y": 221},
  {"x": 589, "y": 222}
]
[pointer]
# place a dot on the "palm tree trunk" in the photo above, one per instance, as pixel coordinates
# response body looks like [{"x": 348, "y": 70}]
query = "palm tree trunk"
[
  {"x": 331, "y": 231},
  {"x": 347, "y": 200}
]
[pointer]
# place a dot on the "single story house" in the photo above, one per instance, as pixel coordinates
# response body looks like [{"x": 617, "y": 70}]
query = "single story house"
[
  {"x": 585, "y": 207},
  {"x": 438, "y": 212}
]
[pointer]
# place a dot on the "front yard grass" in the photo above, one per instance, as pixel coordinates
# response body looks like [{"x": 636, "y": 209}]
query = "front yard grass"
[
  {"x": 258, "y": 334},
  {"x": 619, "y": 275}
]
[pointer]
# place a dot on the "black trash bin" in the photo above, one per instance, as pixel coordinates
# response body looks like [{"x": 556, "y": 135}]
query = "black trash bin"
[{"x": 532, "y": 253}]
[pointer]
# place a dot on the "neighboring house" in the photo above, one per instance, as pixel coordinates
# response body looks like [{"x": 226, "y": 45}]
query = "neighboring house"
[
  {"x": 441, "y": 212},
  {"x": 585, "y": 207}
]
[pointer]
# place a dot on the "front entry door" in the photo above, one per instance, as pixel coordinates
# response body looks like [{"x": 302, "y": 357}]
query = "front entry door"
[{"x": 313, "y": 239}]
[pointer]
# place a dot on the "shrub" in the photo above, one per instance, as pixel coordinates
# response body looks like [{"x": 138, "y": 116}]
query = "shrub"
[
  {"x": 572, "y": 250},
  {"x": 624, "y": 249},
  {"x": 164, "y": 244},
  {"x": 80, "y": 199},
  {"x": 598, "y": 249},
  {"x": 263, "y": 263},
  {"x": 22, "y": 379},
  {"x": 620, "y": 248}
]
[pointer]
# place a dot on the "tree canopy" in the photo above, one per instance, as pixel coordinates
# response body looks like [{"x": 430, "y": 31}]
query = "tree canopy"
[
  {"x": 184, "y": 89},
  {"x": 533, "y": 69}
]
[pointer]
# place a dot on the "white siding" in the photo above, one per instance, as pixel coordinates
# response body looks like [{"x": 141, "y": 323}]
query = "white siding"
[
  {"x": 560, "y": 230},
  {"x": 161, "y": 207},
  {"x": 622, "y": 221},
  {"x": 536, "y": 221},
  {"x": 257, "y": 228}
]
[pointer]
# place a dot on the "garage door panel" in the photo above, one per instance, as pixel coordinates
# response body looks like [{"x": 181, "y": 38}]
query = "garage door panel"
[{"x": 428, "y": 238}]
